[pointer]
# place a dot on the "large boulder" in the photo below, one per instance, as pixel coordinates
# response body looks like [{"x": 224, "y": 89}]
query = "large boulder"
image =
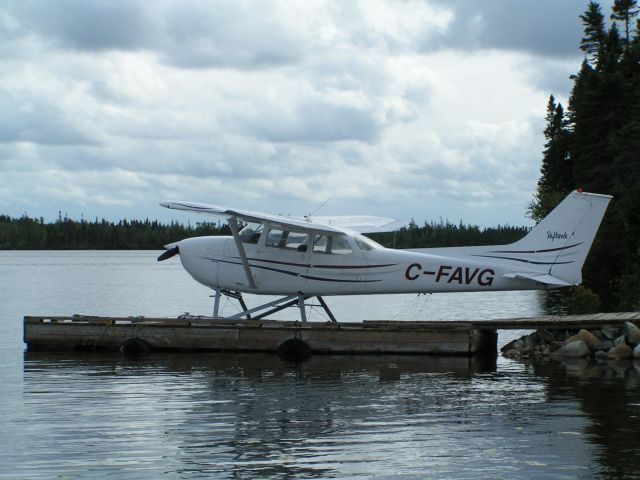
[
  {"x": 631, "y": 333},
  {"x": 604, "y": 345},
  {"x": 577, "y": 349},
  {"x": 610, "y": 332},
  {"x": 636, "y": 351},
  {"x": 517, "y": 345},
  {"x": 587, "y": 337},
  {"x": 620, "y": 352}
]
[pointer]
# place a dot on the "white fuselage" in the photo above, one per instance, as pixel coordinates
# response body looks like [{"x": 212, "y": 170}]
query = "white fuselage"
[
  {"x": 362, "y": 268},
  {"x": 304, "y": 257}
]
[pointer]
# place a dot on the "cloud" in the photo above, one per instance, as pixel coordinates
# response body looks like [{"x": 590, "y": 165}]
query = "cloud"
[
  {"x": 187, "y": 34},
  {"x": 405, "y": 109},
  {"x": 95, "y": 25},
  {"x": 36, "y": 121},
  {"x": 316, "y": 121},
  {"x": 544, "y": 27}
]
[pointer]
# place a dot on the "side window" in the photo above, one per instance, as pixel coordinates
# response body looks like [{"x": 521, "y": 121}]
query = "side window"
[
  {"x": 289, "y": 240},
  {"x": 319, "y": 243},
  {"x": 297, "y": 241},
  {"x": 275, "y": 238},
  {"x": 333, "y": 244}
]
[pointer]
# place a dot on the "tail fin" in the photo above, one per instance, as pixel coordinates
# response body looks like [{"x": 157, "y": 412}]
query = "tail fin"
[{"x": 559, "y": 244}]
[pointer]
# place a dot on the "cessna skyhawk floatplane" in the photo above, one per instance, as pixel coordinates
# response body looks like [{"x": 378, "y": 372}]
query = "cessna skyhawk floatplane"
[{"x": 300, "y": 258}]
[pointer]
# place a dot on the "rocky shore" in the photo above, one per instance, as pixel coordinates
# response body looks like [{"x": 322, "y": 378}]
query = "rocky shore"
[{"x": 615, "y": 343}]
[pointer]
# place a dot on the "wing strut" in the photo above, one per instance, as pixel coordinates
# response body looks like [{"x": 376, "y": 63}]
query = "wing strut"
[{"x": 233, "y": 225}]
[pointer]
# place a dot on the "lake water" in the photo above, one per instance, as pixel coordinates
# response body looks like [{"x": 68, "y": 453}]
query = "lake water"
[{"x": 222, "y": 415}]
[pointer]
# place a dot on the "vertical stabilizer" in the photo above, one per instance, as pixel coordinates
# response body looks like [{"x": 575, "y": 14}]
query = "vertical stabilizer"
[{"x": 559, "y": 244}]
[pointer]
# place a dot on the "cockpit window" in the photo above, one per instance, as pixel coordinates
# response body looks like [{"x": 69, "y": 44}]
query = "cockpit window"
[
  {"x": 365, "y": 243},
  {"x": 251, "y": 233}
]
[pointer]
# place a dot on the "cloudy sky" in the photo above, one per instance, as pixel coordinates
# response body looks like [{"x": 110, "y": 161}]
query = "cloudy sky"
[{"x": 409, "y": 109}]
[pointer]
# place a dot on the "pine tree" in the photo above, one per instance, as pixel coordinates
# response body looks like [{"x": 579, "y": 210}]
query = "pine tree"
[
  {"x": 602, "y": 128},
  {"x": 594, "y": 32},
  {"x": 625, "y": 10},
  {"x": 556, "y": 172}
]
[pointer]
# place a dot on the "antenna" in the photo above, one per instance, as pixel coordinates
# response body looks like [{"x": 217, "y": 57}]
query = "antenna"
[{"x": 316, "y": 210}]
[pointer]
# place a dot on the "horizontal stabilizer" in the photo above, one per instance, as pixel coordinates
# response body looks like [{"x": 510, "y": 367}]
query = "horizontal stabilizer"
[{"x": 544, "y": 279}]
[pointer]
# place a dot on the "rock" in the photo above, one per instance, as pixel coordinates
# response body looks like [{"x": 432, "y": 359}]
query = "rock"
[
  {"x": 562, "y": 335},
  {"x": 600, "y": 355},
  {"x": 636, "y": 351},
  {"x": 619, "y": 352},
  {"x": 610, "y": 332},
  {"x": 545, "y": 350},
  {"x": 587, "y": 337},
  {"x": 512, "y": 353},
  {"x": 530, "y": 341},
  {"x": 545, "y": 335},
  {"x": 513, "y": 345},
  {"x": 604, "y": 346},
  {"x": 556, "y": 345},
  {"x": 632, "y": 333},
  {"x": 598, "y": 333},
  {"x": 577, "y": 349},
  {"x": 621, "y": 340}
]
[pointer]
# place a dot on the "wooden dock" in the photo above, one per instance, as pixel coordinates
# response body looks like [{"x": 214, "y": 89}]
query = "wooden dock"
[{"x": 465, "y": 338}]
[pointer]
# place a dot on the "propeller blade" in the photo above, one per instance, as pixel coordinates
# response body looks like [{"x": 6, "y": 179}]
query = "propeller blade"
[{"x": 169, "y": 253}]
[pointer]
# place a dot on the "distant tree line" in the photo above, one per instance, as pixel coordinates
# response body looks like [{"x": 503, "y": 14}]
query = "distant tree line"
[
  {"x": 446, "y": 234},
  {"x": 27, "y": 233},
  {"x": 595, "y": 145}
]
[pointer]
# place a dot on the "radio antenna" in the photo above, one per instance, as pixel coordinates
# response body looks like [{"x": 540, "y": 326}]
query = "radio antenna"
[{"x": 316, "y": 210}]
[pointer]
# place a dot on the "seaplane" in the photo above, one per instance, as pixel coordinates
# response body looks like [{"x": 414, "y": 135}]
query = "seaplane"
[{"x": 302, "y": 258}]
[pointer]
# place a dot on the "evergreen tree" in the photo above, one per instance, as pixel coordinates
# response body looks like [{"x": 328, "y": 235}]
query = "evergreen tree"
[
  {"x": 594, "y": 32},
  {"x": 556, "y": 171},
  {"x": 625, "y": 10},
  {"x": 602, "y": 126}
]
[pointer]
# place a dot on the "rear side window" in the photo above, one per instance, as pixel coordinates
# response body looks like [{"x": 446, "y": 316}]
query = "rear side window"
[{"x": 331, "y": 244}]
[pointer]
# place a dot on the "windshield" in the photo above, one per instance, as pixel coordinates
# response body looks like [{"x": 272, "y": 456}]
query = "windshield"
[
  {"x": 365, "y": 243},
  {"x": 251, "y": 233}
]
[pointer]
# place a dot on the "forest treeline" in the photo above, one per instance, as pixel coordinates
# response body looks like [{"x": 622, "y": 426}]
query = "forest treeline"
[
  {"x": 27, "y": 233},
  {"x": 595, "y": 144}
]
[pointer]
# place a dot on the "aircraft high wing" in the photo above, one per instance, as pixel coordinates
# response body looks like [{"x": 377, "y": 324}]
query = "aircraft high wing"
[
  {"x": 302, "y": 257},
  {"x": 360, "y": 224}
]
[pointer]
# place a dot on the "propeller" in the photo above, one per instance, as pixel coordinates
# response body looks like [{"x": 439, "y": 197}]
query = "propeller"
[{"x": 169, "y": 253}]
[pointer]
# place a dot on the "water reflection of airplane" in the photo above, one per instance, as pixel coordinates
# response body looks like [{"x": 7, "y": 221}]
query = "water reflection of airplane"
[
  {"x": 302, "y": 258},
  {"x": 228, "y": 414}
]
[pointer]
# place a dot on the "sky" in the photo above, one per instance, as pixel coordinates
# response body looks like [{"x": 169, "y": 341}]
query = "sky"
[{"x": 408, "y": 109}]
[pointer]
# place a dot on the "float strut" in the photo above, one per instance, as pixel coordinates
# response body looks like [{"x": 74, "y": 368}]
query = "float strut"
[
  {"x": 238, "y": 296},
  {"x": 216, "y": 304},
  {"x": 326, "y": 309},
  {"x": 303, "y": 314},
  {"x": 276, "y": 309}
]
